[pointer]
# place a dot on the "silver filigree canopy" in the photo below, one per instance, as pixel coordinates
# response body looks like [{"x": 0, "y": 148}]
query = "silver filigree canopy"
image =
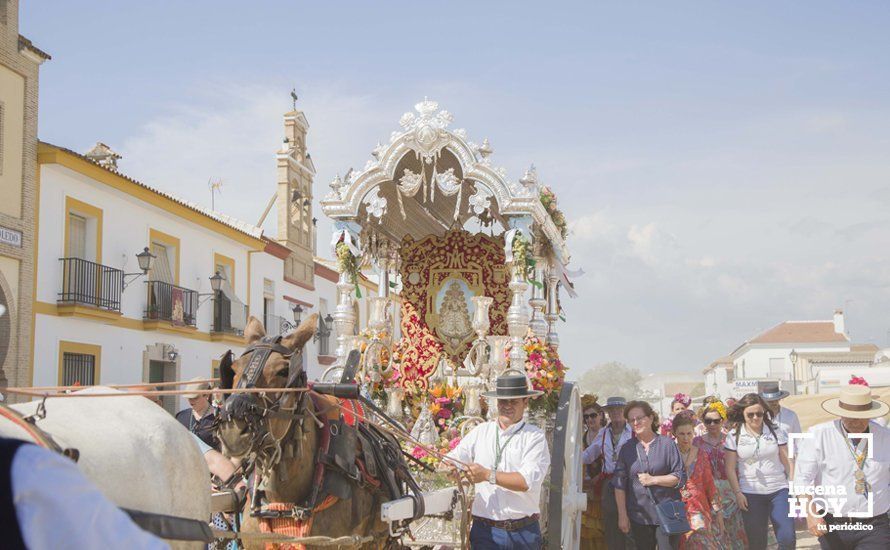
[{"x": 423, "y": 138}]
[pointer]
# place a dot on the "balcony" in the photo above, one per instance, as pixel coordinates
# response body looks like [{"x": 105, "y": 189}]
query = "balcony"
[
  {"x": 275, "y": 325},
  {"x": 171, "y": 303},
  {"x": 222, "y": 316},
  {"x": 90, "y": 288}
]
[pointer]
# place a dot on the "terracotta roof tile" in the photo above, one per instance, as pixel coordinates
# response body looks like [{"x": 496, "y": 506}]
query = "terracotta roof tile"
[{"x": 792, "y": 332}]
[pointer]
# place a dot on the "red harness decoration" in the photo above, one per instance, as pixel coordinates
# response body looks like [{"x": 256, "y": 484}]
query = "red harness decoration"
[
  {"x": 289, "y": 526},
  {"x": 352, "y": 411}
]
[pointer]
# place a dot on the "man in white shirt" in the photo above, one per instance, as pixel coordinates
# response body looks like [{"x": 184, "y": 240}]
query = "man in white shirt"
[
  {"x": 849, "y": 475},
  {"x": 607, "y": 443},
  {"x": 782, "y": 416},
  {"x": 507, "y": 459}
]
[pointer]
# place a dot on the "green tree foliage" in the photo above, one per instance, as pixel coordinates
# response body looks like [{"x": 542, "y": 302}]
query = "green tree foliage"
[{"x": 612, "y": 379}]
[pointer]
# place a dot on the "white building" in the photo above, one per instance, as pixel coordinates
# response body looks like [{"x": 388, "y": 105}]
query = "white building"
[
  {"x": 100, "y": 319},
  {"x": 792, "y": 353}
]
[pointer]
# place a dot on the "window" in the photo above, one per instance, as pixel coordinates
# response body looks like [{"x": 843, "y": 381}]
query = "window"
[
  {"x": 83, "y": 231},
  {"x": 165, "y": 266},
  {"x": 777, "y": 368},
  {"x": 77, "y": 236},
  {"x": 78, "y": 364},
  {"x": 163, "y": 371}
]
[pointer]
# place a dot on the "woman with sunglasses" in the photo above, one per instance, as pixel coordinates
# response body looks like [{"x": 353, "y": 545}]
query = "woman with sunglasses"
[
  {"x": 592, "y": 530},
  {"x": 700, "y": 494},
  {"x": 713, "y": 416},
  {"x": 757, "y": 467},
  {"x": 648, "y": 467}
]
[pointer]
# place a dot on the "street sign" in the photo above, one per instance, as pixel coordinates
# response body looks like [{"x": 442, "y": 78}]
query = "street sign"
[
  {"x": 742, "y": 387},
  {"x": 10, "y": 236}
]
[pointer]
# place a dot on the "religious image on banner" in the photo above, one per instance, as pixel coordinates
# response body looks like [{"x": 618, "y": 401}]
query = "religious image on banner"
[
  {"x": 178, "y": 311},
  {"x": 441, "y": 274}
]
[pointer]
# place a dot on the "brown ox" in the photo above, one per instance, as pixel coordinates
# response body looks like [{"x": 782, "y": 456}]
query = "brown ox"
[{"x": 291, "y": 479}]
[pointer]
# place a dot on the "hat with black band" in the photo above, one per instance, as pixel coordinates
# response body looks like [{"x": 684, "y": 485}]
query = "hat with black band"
[{"x": 512, "y": 384}]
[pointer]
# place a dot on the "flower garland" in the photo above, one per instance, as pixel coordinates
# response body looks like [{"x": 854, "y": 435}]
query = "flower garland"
[
  {"x": 447, "y": 404},
  {"x": 522, "y": 259},
  {"x": 346, "y": 263},
  {"x": 548, "y": 199},
  {"x": 545, "y": 371}
]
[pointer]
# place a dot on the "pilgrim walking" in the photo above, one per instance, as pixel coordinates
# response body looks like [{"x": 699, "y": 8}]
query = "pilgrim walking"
[
  {"x": 849, "y": 456},
  {"x": 508, "y": 459},
  {"x": 607, "y": 444}
]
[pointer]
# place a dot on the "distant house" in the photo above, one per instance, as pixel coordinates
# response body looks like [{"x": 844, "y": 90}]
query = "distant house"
[{"x": 794, "y": 353}]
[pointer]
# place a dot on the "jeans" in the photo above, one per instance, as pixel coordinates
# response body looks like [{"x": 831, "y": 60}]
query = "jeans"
[
  {"x": 875, "y": 538},
  {"x": 615, "y": 539},
  {"x": 486, "y": 537},
  {"x": 650, "y": 537},
  {"x": 763, "y": 509}
]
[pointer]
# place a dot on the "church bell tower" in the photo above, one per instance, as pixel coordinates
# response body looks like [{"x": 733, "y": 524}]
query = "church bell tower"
[{"x": 296, "y": 226}]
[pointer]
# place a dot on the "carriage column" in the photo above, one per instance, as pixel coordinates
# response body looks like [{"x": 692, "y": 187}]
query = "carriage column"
[
  {"x": 344, "y": 314},
  {"x": 538, "y": 300},
  {"x": 552, "y": 305}
]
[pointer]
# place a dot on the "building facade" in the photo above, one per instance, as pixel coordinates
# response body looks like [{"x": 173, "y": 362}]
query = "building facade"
[
  {"x": 101, "y": 318},
  {"x": 20, "y": 61},
  {"x": 802, "y": 356}
]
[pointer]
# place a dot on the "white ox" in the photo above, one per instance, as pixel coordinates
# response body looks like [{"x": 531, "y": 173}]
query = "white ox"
[{"x": 138, "y": 455}]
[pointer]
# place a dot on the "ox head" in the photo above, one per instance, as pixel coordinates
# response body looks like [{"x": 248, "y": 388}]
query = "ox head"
[{"x": 266, "y": 363}]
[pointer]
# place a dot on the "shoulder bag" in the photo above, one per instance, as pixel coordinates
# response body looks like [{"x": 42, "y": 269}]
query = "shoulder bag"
[{"x": 671, "y": 512}]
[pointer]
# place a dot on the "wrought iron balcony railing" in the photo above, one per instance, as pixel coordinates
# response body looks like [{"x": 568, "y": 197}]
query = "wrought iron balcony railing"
[
  {"x": 91, "y": 284},
  {"x": 222, "y": 315},
  {"x": 168, "y": 302}
]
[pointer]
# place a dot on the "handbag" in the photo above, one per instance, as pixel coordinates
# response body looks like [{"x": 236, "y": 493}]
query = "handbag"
[{"x": 671, "y": 512}]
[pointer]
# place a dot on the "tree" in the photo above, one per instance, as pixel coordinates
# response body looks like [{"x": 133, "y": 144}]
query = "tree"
[{"x": 610, "y": 380}]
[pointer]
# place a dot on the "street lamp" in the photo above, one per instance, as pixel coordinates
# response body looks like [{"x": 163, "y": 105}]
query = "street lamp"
[
  {"x": 324, "y": 328},
  {"x": 215, "y": 285},
  {"x": 144, "y": 258},
  {"x": 298, "y": 313},
  {"x": 794, "y": 370}
]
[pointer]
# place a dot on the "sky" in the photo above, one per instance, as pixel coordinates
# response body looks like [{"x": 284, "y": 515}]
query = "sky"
[{"x": 724, "y": 166}]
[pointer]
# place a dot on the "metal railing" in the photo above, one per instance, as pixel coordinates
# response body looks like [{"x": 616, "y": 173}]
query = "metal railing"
[
  {"x": 275, "y": 325},
  {"x": 91, "y": 284},
  {"x": 168, "y": 302},
  {"x": 222, "y": 315}
]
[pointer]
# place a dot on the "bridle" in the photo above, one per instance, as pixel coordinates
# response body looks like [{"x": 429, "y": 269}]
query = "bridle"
[{"x": 256, "y": 410}]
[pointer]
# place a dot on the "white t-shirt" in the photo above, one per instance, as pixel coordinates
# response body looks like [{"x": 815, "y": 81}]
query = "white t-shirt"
[
  {"x": 788, "y": 420},
  {"x": 760, "y": 470}
]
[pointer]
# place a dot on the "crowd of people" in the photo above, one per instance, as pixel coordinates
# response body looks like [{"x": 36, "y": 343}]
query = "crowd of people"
[{"x": 727, "y": 468}]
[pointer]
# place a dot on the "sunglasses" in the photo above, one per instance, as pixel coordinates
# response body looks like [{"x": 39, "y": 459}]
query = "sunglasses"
[
  {"x": 594, "y": 415},
  {"x": 709, "y": 421},
  {"x": 754, "y": 415}
]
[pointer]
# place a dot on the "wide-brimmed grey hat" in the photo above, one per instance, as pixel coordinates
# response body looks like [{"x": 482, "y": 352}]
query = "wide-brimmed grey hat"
[
  {"x": 512, "y": 386},
  {"x": 770, "y": 391},
  {"x": 615, "y": 402}
]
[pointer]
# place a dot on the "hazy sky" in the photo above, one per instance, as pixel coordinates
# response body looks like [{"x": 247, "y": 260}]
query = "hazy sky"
[{"x": 725, "y": 166}]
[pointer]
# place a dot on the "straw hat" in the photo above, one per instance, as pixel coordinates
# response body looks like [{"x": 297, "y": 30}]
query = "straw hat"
[
  {"x": 196, "y": 387},
  {"x": 855, "y": 402}
]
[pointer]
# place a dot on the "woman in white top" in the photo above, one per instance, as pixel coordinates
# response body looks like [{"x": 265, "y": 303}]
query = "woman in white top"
[{"x": 757, "y": 468}]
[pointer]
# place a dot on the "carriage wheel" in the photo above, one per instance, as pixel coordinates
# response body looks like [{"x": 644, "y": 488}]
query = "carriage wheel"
[{"x": 567, "y": 500}]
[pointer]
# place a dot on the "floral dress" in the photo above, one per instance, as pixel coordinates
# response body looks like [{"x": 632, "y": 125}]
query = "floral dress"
[
  {"x": 734, "y": 537},
  {"x": 699, "y": 494}
]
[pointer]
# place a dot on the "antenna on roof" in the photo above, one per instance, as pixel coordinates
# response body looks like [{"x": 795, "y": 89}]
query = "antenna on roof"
[{"x": 215, "y": 187}]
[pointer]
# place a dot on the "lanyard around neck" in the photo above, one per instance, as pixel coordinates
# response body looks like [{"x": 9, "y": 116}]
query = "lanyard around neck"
[{"x": 498, "y": 449}]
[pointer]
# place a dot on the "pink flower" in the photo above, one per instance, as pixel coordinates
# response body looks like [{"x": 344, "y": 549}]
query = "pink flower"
[
  {"x": 418, "y": 453},
  {"x": 443, "y": 400},
  {"x": 857, "y": 381},
  {"x": 444, "y": 413},
  {"x": 453, "y": 443}
]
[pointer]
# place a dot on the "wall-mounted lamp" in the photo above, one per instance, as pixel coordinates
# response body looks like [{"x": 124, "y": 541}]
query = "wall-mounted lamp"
[
  {"x": 325, "y": 327},
  {"x": 215, "y": 284},
  {"x": 144, "y": 258}
]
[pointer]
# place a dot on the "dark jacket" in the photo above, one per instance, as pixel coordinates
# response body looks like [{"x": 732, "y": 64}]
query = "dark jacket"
[{"x": 202, "y": 428}]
